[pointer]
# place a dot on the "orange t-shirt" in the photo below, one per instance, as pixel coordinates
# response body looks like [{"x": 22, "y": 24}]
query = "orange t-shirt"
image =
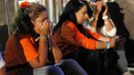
[{"x": 29, "y": 50}]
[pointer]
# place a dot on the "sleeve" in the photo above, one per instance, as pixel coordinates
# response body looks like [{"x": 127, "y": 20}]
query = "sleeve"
[
  {"x": 29, "y": 51},
  {"x": 94, "y": 34},
  {"x": 73, "y": 35},
  {"x": 2, "y": 63},
  {"x": 68, "y": 33},
  {"x": 86, "y": 42}
]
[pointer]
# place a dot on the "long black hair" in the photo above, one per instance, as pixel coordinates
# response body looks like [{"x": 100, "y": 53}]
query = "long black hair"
[
  {"x": 100, "y": 21},
  {"x": 22, "y": 23},
  {"x": 69, "y": 14}
]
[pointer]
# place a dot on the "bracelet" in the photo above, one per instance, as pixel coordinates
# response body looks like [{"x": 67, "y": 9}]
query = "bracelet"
[
  {"x": 107, "y": 45},
  {"x": 37, "y": 39},
  {"x": 91, "y": 19},
  {"x": 105, "y": 17}
]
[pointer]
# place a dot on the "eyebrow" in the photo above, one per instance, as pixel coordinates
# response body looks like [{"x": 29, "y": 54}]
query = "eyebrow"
[{"x": 43, "y": 18}]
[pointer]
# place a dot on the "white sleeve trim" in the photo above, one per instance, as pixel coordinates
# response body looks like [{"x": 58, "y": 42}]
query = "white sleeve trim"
[{"x": 2, "y": 63}]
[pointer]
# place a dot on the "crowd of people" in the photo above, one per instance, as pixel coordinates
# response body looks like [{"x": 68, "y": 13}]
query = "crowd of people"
[{"x": 83, "y": 42}]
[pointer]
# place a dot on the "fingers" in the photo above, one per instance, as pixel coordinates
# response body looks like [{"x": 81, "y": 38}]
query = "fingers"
[
  {"x": 99, "y": 5},
  {"x": 47, "y": 26},
  {"x": 50, "y": 24}
]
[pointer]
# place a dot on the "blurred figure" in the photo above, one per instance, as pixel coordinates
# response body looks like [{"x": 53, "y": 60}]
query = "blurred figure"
[
  {"x": 106, "y": 27},
  {"x": 2, "y": 66}
]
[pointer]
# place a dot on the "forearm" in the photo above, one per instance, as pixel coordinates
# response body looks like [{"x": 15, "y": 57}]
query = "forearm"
[
  {"x": 57, "y": 54},
  {"x": 103, "y": 45},
  {"x": 43, "y": 50},
  {"x": 100, "y": 45}
]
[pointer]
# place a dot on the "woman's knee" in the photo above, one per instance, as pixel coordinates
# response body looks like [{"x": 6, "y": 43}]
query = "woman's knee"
[
  {"x": 48, "y": 70},
  {"x": 69, "y": 62}
]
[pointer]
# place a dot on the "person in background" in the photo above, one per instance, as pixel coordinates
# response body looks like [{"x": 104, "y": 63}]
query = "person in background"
[
  {"x": 106, "y": 27},
  {"x": 109, "y": 30},
  {"x": 2, "y": 66},
  {"x": 26, "y": 50}
]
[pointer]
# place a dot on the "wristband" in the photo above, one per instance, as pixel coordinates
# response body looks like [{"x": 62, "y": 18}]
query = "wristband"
[
  {"x": 40, "y": 37},
  {"x": 107, "y": 45}
]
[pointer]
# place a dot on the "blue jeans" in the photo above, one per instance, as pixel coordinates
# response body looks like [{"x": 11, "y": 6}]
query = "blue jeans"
[
  {"x": 66, "y": 67},
  {"x": 48, "y": 70}
]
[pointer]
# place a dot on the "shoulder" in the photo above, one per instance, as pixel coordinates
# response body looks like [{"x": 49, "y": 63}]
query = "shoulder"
[
  {"x": 26, "y": 37},
  {"x": 68, "y": 25}
]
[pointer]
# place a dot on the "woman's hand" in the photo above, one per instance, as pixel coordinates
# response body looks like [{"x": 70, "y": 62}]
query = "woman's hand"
[
  {"x": 45, "y": 28},
  {"x": 99, "y": 6}
]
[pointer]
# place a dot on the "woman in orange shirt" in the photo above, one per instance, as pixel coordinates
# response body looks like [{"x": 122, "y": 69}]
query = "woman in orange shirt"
[
  {"x": 71, "y": 36},
  {"x": 27, "y": 47}
]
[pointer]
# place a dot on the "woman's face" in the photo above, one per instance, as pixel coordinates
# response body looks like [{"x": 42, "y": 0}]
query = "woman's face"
[
  {"x": 38, "y": 22},
  {"x": 81, "y": 15}
]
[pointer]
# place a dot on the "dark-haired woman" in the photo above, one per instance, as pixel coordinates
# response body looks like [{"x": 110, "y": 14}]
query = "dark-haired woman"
[
  {"x": 71, "y": 36},
  {"x": 27, "y": 46},
  {"x": 106, "y": 27}
]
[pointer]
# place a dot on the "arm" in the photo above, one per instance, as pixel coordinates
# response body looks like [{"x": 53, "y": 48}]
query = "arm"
[
  {"x": 56, "y": 52},
  {"x": 109, "y": 28},
  {"x": 35, "y": 56},
  {"x": 98, "y": 36},
  {"x": 82, "y": 40},
  {"x": 99, "y": 5},
  {"x": 91, "y": 43}
]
